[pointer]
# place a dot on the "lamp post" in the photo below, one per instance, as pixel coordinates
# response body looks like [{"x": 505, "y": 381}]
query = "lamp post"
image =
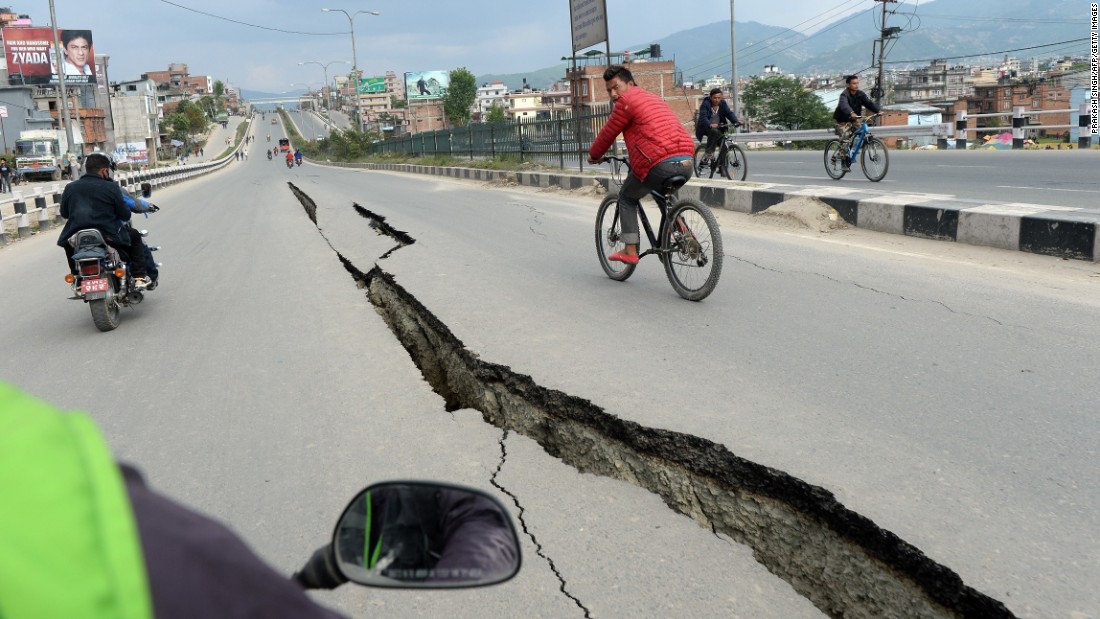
[
  {"x": 324, "y": 65},
  {"x": 309, "y": 89},
  {"x": 354, "y": 60}
]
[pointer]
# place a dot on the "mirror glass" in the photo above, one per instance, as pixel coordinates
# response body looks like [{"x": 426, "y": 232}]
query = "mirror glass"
[
  {"x": 146, "y": 190},
  {"x": 426, "y": 535}
]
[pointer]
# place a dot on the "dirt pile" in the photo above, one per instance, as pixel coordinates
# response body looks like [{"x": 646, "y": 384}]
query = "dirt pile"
[{"x": 803, "y": 213}]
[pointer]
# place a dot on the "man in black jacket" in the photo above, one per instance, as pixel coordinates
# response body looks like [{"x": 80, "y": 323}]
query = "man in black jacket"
[
  {"x": 96, "y": 201},
  {"x": 850, "y": 107}
]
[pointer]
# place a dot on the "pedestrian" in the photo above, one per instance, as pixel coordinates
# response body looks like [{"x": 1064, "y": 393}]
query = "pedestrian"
[
  {"x": 5, "y": 176},
  {"x": 201, "y": 153}
]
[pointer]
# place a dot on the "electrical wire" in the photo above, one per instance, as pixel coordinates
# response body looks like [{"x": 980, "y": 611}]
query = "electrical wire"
[
  {"x": 187, "y": 8},
  {"x": 1005, "y": 51}
]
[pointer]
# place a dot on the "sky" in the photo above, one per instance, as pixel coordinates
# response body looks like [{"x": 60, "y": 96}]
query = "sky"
[{"x": 487, "y": 36}]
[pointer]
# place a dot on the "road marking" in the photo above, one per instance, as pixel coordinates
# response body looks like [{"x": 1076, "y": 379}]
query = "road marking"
[
  {"x": 819, "y": 178},
  {"x": 1048, "y": 189},
  {"x": 948, "y": 165}
]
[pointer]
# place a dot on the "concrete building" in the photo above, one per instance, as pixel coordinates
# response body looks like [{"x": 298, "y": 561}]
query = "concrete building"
[
  {"x": 657, "y": 76},
  {"x": 22, "y": 114},
  {"x": 137, "y": 121},
  {"x": 936, "y": 82},
  {"x": 1032, "y": 95},
  {"x": 488, "y": 95},
  {"x": 395, "y": 84}
]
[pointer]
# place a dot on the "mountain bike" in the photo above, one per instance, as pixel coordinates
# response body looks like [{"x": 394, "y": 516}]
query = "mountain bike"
[
  {"x": 730, "y": 162},
  {"x": 874, "y": 157},
  {"x": 688, "y": 240}
]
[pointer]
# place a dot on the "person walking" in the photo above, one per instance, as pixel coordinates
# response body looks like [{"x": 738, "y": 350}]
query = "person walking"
[{"x": 5, "y": 176}]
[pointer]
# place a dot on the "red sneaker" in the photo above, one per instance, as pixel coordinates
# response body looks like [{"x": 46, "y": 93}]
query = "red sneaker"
[{"x": 621, "y": 257}]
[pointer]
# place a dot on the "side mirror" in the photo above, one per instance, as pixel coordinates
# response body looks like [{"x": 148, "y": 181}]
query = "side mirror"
[
  {"x": 425, "y": 535},
  {"x": 146, "y": 190}
]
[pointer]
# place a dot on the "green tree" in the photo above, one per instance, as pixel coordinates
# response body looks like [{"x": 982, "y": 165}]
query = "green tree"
[
  {"x": 219, "y": 89},
  {"x": 460, "y": 97},
  {"x": 782, "y": 101},
  {"x": 496, "y": 114},
  {"x": 398, "y": 104}
]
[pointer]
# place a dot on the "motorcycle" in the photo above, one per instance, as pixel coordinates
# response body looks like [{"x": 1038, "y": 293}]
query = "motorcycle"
[
  {"x": 417, "y": 535},
  {"x": 102, "y": 278},
  {"x": 290, "y": 164},
  {"x": 269, "y": 155},
  {"x": 297, "y": 161}
]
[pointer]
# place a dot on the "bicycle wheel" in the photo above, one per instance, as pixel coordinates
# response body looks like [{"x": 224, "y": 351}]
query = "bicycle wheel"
[
  {"x": 694, "y": 245},
  {"x": 609, "y": 239},
  {"x": 702, "y": 171},
  {"x": 875, "y": 159},
  {"x": 834, "y": 160},
  {"x": 735, "y": 167}
]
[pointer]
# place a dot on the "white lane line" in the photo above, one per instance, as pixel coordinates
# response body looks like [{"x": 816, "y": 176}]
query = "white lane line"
[
  {"x": 1048, "y": 189},
  {"x": 820, "y": 178},
  {"x": 948, "y": 165}
]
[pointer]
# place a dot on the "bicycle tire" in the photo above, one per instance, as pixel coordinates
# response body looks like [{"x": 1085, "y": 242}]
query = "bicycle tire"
[
  {"x": 875, "y": 159},
  {"x": 693, "y": 262},
  {"x": 736, "y": 166},
  {"x": 609, "y": 239},
  {"x": 701, "y": 171},
  {"x": 834, "y": 160}
]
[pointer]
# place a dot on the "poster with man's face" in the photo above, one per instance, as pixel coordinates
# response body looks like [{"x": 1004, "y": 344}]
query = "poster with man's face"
[{"x": 32, "y": 60}]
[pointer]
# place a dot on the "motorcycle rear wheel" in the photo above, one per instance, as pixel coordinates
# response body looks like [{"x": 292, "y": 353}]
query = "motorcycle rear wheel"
[{"x": 105, "y": 312}]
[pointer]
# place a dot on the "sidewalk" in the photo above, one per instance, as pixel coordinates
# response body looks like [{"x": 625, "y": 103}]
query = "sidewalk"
[{"x": 1065, "y": 232}]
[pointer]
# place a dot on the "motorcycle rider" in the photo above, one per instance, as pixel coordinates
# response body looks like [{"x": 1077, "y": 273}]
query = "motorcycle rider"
[
  {"x": 289, "y": 159},
  {"x": 119, "y": 549},
  {"x": 269, "y": 155},
  {"x": 298, "y": 156},
  {"x": 96, "y": 201}
]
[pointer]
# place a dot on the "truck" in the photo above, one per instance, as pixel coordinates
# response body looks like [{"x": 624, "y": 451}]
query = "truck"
[{"x": 40, "y": 153}]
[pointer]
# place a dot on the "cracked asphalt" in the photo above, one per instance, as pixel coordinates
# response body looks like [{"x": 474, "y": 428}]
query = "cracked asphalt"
[{"x": 944, "y": 392}]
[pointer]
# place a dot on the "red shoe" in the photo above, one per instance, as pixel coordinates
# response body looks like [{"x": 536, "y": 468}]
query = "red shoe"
[{"x": 621, "y": 257}]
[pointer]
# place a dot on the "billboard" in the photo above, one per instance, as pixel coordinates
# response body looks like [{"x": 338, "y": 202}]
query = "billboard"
[
  {"x": 32, "y": 60},
  {"x": 369, "y": 85},
  {"x": 589, "y": 23},
  {"x": 131, "y": 152},
  {"x": 426, "y": 85}
]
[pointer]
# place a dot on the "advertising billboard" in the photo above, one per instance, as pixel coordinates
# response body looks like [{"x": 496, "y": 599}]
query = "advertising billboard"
[
  {"x": 426, "y": 85},
  {"x": 589, "y": 23},
  {"x": 31, "y": 58},
  {"x": 369, "y": 85},
  {"x": 131, "y": 152}
]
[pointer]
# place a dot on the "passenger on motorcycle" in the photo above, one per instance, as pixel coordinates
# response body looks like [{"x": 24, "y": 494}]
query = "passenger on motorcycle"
[
  {"x": 96, "y": 201},
  {"x": 297, "y": 156},
  {"x": 289, "y": 158}
]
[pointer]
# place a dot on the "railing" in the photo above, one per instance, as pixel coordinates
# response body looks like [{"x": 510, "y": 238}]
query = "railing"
[
  {"x": 556, "y": 140},
  {"x": 157, "y": 177},
  {"x": 883, "y": 131},
  {"x": 1021, "y": 125}
]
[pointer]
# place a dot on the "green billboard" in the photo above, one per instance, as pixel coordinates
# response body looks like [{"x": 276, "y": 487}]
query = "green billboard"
[{"x": 369, "y": 85}]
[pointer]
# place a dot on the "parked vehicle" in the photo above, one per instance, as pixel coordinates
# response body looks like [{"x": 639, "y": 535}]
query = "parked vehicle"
[{"x": 40, "y": 153}]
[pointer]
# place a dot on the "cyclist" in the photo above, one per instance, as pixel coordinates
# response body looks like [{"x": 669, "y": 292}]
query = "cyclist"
[
  {"x": 712, "y": 113},
  {"x": 849, "y": 108},
  {"x": 657, "y": 143}
]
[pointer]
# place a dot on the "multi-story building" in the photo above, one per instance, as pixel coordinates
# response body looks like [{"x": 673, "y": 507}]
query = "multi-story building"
[
  {"x": 395, "y": 84},
  {"x": 136, "y": 115},
  {"x": 1033, "y": 95},
  {"x": 936, "y": 82},
  {"x": 657, "y": 76},
  {"x": 489, "y": 95}
]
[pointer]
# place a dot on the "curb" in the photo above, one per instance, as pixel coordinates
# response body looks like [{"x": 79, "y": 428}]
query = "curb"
[{"x": 1064, "y": 232}]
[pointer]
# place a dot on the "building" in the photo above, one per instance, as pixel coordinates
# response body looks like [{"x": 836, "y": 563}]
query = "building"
[
  {"x": 395, "y": 84},
  {"x": 1033, "y": 95},
  {"x": 657, "y": 76},
  {"x": 523, "y": 105},
  {"x": 489, "y": 95},
  {"x": 136, "y": 116},
  {"x": 936, "y": 82},
  {"x": 22, "y": 114}
]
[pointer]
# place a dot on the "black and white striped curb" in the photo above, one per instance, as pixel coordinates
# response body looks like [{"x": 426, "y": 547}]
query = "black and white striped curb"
[{"x": 1061, "y": 231}]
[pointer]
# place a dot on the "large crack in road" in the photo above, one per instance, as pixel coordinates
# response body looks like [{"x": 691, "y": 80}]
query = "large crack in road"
[{"x": 841, "y": 561}]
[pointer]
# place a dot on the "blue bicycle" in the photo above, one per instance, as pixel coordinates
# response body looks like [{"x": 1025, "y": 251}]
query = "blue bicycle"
[{"x": 874, "y": 157}]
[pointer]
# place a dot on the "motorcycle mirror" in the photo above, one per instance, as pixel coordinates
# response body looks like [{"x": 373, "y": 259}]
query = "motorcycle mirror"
[
  {"x": 425, "y": 535},
  {"x": 146, "y": 190}
]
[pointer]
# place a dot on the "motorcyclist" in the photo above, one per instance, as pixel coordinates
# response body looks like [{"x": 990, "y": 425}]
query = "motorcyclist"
[
  {"x": 269, "y": 137},
  {"x": 96, "y": 201},
  {"x": 289, "y": 158},
  {"x": 298, "y": 156},
  {"x": 142, "y": 206},
  {"x": 119, "y": 549},
  {"x": 269, "y": 155}
]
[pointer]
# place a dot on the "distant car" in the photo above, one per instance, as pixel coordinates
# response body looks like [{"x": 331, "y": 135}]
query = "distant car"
[
  {"x": 274, "y": 121},
  {"x": 284, "y": 145}
]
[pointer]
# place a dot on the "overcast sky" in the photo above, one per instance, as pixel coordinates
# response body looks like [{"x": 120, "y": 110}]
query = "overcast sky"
[{"x": 486, "y": 36}]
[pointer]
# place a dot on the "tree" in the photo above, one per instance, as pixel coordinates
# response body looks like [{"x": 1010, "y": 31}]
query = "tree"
[
  {"x": 496, "y": 114},
  {"x": 782, "y": 101},
  {"x": 219, "y": 89},
  {"x": 460, "y": 97}
]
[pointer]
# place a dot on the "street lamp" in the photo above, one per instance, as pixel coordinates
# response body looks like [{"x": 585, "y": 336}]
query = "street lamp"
[
  {"x": 354, "y": 60},
  {"x": 324, "y": 65},
  {"x": 309, "y": 89}
]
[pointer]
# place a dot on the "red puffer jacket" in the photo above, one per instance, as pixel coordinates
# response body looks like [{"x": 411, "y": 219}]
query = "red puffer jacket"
[{"x": 650, "y": 127}]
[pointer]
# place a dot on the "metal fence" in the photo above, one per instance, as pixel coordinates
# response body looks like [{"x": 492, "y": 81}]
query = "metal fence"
[{"x": 558, "y": 140}]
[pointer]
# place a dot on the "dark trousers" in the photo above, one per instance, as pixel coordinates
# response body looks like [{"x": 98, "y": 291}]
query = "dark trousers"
[
  {"x": 714, "y": 138},
  {"x": 633, "y": 190}
]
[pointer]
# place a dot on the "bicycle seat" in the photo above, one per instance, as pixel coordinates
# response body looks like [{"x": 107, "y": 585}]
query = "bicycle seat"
[{"x": 673, "y": 183}]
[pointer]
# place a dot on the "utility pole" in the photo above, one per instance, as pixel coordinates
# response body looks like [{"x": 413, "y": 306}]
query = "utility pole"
[
  {"x": 879, "y": 91},
  {"x": 62, "y": 100},
  {"x": 733, "y": 54}
]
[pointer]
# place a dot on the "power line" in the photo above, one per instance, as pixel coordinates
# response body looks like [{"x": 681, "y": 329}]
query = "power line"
[
  {"x": 1004, "y": 19},
  {"x": 187, "y": 8},
  {"x": 1005, "y": 51}
]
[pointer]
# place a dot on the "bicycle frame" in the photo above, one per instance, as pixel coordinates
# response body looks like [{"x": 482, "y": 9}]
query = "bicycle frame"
[
  {"x": 662, "y": 201},
  {"x": 858, "y": 137}
]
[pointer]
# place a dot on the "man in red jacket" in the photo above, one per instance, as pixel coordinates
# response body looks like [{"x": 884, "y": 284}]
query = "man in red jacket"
[{"x": 658, "y": 145}]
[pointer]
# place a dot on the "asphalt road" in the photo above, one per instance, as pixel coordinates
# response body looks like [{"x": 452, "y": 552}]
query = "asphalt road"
[{"x": 945, "y": 392}]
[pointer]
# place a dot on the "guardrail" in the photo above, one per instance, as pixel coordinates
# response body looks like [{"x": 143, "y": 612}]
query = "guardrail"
[
  {"x": 884, "y": 131},
  {"x": 1021, "y": 124},
  {"x": 157, "y": 177}
]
